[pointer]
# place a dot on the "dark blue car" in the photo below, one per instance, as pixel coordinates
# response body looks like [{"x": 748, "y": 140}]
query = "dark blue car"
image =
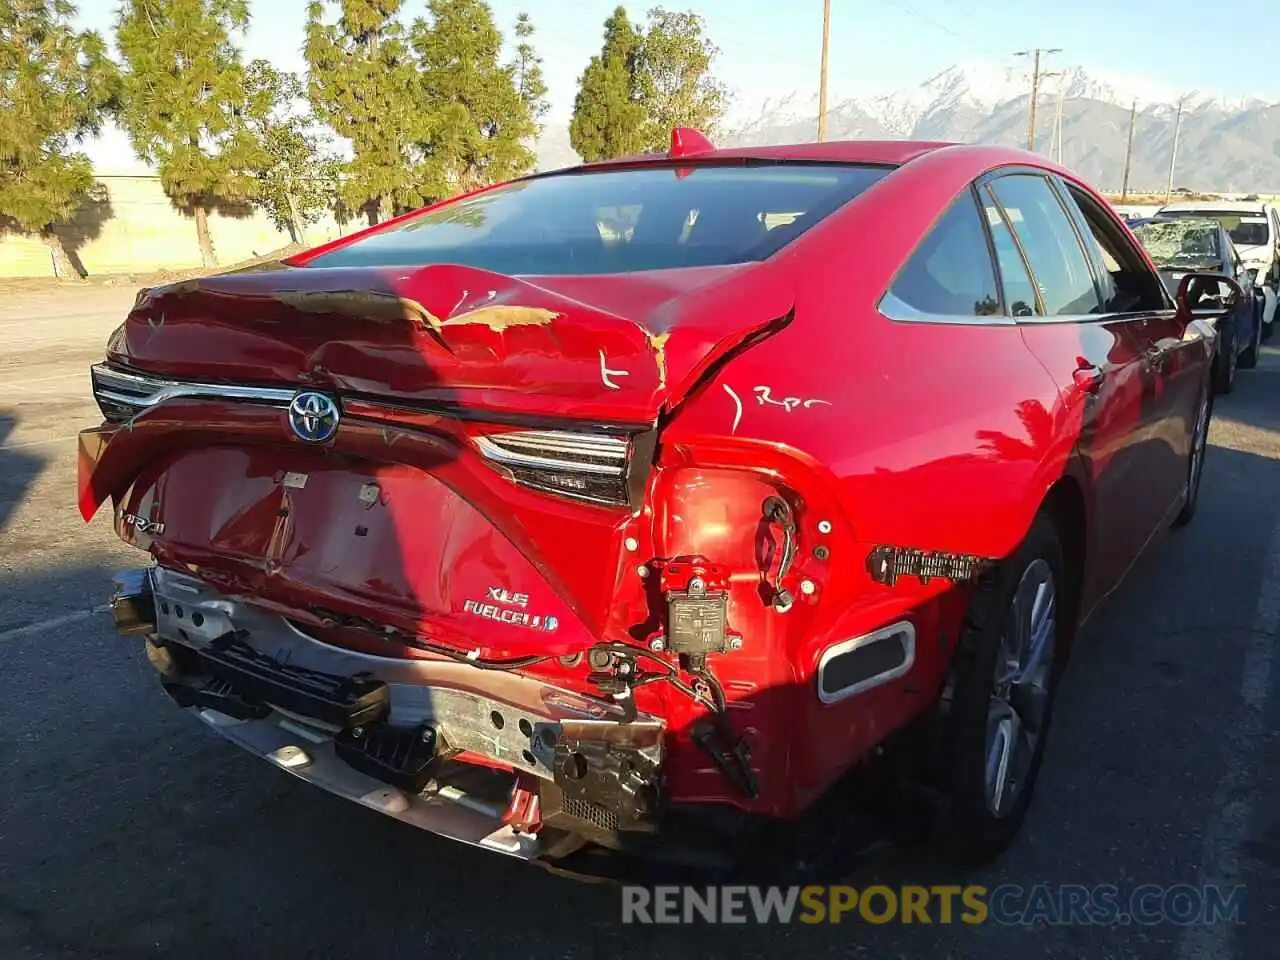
[{"x": 1183, "y": 245}]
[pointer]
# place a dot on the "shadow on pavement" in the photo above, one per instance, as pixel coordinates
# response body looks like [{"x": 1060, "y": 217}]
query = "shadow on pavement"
[
  {"x": 128, "y": 829},
  {"x": 19, "y": 468}
]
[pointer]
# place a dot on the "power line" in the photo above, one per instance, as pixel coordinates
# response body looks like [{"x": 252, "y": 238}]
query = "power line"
[{"x": 937, "y": 25}]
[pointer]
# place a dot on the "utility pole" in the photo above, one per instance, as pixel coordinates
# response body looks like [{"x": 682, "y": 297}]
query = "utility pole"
[
  {"x": 822, "y": 82},
  {"x": 1057, "y": 120},
  {"x": 1128, "y": 151},
  {"x": 1035, "y": 54},
  {"x": 1173, "y": 154}
]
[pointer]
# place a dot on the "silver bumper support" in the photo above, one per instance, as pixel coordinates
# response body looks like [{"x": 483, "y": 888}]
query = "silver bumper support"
[{"x": 446, "y": 809}]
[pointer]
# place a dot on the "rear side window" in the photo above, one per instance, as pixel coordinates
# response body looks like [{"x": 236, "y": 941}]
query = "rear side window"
[
  {"x": 619, "y": 221},
  {"x": 950, "y": 273},
  {"x": 1058, "y": 262}
]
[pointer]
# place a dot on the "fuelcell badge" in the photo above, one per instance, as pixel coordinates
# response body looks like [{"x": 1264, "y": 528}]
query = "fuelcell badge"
[{"x": 504, "y": 610}]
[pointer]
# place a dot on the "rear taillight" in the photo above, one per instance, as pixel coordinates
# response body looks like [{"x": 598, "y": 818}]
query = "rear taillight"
[{"x": 584, "y": 466}]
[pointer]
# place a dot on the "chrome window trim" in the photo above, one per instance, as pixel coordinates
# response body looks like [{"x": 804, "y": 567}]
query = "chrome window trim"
[
  {"x": 160, "y": 390},
  {"x": 1098, "y": 317},
  {"x": 904, "y": 627},
  {"x": 897, "y": 309}
]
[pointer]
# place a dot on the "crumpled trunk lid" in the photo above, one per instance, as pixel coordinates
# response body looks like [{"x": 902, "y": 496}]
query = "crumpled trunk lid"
[
  {"x": 619, "y": 348},
  {"x": 403, "y": 520}
]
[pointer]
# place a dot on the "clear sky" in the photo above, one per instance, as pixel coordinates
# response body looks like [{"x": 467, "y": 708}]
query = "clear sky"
[{"x": 772, "y": 49}]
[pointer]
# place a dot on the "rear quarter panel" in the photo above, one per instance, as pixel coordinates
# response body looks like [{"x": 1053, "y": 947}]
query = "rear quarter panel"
[{"x": 941, "y": 437}]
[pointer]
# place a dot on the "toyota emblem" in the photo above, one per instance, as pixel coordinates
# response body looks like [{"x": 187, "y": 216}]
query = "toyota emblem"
[{"x": 313, "y": 416}]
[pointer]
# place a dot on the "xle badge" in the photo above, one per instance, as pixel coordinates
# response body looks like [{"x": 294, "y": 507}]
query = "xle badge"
[
  {"x": 142, "y": 524},
  {"x": 499, "y": 606}
]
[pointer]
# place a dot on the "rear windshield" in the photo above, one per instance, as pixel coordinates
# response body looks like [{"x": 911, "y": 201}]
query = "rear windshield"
[
  {"x": 619, "y": 221},
  {"x": 1246, "y": 229},
  {"x": 1181, "y": 241}
]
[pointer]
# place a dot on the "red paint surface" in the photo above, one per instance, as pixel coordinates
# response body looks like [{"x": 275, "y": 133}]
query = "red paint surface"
[{"x": 940, "y": 437}]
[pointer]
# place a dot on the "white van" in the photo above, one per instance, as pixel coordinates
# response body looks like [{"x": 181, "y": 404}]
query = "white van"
[{"x": 1255, "y": 230}]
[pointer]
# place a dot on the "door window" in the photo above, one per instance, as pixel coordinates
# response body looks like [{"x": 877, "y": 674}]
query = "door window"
[
  {"x": 1128, "y": 284},
  {"x": 950, "y": 272},
  {"x": 1058, "y": 263}
]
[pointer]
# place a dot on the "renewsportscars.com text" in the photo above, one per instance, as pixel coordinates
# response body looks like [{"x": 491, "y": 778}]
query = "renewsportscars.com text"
[{"x": 1009, "y": 904}]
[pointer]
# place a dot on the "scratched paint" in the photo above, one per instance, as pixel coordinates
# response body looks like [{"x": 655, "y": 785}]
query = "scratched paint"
[
  {"x": 659, "y": 343},
  {"x": 499, "y": 318}
]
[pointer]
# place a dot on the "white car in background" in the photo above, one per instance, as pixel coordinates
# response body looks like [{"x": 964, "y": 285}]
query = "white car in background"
[{"x": 1254, "y": 227}]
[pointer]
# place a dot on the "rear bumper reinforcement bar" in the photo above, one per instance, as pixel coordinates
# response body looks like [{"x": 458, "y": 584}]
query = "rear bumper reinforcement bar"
[
  {"x": 449, "y": 810},
  {"x": 407, "y": 737}
]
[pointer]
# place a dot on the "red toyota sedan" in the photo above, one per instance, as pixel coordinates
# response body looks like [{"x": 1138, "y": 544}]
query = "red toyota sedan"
[{"x": 635, "y": 504}]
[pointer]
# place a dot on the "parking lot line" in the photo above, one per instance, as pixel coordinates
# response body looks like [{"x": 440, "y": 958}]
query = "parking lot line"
[{"x": 53, "y": 622}]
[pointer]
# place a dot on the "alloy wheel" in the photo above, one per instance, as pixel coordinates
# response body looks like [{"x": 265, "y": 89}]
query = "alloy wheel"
[
  {"x": 1019, "y": 700},
  {"x": 1198, "y": 440}
]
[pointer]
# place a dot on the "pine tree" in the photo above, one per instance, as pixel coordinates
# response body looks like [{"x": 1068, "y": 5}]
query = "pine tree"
[
  {"x": 483, "y": 121},
  {"x": 608, "y": 118},
  {"x": 363, "y": 83},
  {"x": 676, "y": 87},
  {"x": 530, "y": 83},
  {"x": 55, "y": 84},
  {"x": 183, "y": 99},
  {"x": 296, "y": 175}
]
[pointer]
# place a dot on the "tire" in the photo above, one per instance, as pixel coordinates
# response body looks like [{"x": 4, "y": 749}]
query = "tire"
[
  {"x": 988, "y": 791},
  {"x": 1195, "y": 463},
  {"x": 1226, "y": 361},
  {"x": 1249, "y": 358}
]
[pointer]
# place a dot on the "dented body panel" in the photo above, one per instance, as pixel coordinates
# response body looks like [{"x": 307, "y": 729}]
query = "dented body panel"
[{"x": 780, "y": 433}]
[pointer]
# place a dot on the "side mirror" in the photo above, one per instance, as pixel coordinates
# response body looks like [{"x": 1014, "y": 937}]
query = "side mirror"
[{"x": 1207, "y": 296}]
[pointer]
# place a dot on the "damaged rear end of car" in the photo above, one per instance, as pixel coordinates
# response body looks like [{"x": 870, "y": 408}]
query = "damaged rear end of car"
[{"x": 421, "y": 532}]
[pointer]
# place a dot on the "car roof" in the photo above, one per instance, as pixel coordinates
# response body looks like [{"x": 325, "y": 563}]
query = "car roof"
[
  {"x": 1207, "y": 221},
  {"x": 1224, "y": 206},
  {"x": 887, "y": 152}
]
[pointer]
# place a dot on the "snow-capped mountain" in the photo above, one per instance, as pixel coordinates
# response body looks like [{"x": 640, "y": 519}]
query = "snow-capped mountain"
[{"x": 1226, "y": 143}]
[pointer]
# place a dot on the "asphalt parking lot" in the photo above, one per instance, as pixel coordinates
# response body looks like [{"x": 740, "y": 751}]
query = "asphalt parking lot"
[{"x": 128, "y": 830}]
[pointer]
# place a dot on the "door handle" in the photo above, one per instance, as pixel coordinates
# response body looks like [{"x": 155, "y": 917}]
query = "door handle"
[{"x": 1088, "y": 377}]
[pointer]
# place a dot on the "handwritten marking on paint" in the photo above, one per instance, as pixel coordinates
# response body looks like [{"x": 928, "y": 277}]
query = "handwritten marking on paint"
[
  {"x": 764, "y": 396},
  {"x": 606, "y": 373},
  {"x": 737, "y": 403}
]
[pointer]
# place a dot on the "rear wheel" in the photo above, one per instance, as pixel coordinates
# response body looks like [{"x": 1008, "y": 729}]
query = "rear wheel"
[
  {"x": 1010, "y": 658},
  {"x": 1195, "y": 462}
]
